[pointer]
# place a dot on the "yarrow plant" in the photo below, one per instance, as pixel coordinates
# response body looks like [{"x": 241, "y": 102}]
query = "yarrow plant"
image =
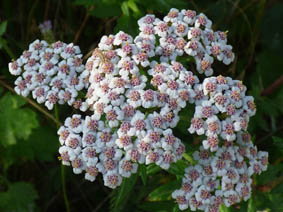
[{"x": 135, "y": 89}]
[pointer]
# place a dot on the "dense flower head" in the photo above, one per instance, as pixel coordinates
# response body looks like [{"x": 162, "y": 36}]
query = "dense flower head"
[
  {"x": 136, "y": 88},
  {"x": 50, "y": 72},
  {"x": 222, "y": 111},
  {"x": 221, "y": 177},
  {"x": 185, "y": 33}
]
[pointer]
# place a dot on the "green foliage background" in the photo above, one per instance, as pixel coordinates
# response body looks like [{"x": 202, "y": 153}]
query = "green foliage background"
[{"x": 31, "y": 177}]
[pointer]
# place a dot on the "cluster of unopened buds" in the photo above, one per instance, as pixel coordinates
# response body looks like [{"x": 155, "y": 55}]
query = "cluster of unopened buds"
[
  {"x": 136, "y": 88},
  {"x": 51, "y": 72}
]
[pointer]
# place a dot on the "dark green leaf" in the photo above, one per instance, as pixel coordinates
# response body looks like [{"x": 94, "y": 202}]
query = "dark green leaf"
[
  {"x": 3, "y": 27},
  {"x": 142, "y": 173},
  {"x": 20, "y": 197},
  {"x": 122, "y": 193},
  {"x": 15, "y": 122},
  {"x": 164, "y": 192},
  {"x": 158, "y": 206}
]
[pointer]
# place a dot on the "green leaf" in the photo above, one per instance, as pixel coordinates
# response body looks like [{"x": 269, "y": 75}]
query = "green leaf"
[
  {"x": 15, "y": 122},
  {"x": 272, "y": 173},
  {"x": 223, "y": 208},
  {"x": 251, "y": 205},
  {"x": 121, "y": 194},
  {"x": 178, "y": 168},
  {"x": 158, "y": 206},
  {"x": 41, "y": 145},
  {"x": 142, "y": 173},
  {"x": 20, "y": 197},
  {"x": 125, "y": 9},
  {"x": 3, "y": 27},
  {"x": 164, "y": 192},
  {"x": 104, "y": 11},
  {"x": 278, "y": 142},
  {"x": 85, "y": 3},
  {"x": 152, "y": 169},
  {"x": 133, "y": 6}
]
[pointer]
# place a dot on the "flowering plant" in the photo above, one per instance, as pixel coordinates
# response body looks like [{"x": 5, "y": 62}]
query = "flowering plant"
[{"x": 132, "y": 93}]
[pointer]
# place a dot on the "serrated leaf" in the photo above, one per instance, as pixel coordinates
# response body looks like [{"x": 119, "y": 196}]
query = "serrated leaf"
[
  {"x": 15, "y": 122},
  {"x": 3, "y": 27},
  {"x": 20, "y": 197},
  {"x": 164, "y": 192}
]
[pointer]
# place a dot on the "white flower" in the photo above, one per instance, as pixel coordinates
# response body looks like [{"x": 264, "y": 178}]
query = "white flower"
[
  {"x": 67, "y": 155},
  {"x": 15, "y": 67},
  {"x": 126, "y": 168},
  {"x": 75, "y": 123},
  {"x": 112, "y": 179}
]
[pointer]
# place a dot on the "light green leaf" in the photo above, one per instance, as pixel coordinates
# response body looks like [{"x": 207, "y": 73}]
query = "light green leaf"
[
  {"x": 133, "y": 6},
  {"x": 125, "y": 9}
]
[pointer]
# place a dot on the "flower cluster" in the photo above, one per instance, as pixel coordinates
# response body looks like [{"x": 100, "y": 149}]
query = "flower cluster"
[
  {"x": 222, "y": 109},
  {"x": 136, "y": 89},
  {"x": 51, "y": 73},
  {"x": 89, "y": 146},
  {"x": 223, "y": 177},
  {"x": 141, "y": 106},
  {"x": 183, "y": 33}
]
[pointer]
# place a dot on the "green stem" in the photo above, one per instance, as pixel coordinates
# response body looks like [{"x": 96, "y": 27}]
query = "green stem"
[{"x": 63, "y": 181}]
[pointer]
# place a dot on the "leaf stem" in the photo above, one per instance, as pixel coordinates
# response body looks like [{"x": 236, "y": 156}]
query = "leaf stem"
[{"x": 63, "y": 180}]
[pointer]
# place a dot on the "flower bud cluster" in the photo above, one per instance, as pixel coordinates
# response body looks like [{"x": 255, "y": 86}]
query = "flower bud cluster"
[
  {"x": 222, "y": 109},
  {"x": 51, "y": 73},
  {"x": 222, "y": 177}
]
